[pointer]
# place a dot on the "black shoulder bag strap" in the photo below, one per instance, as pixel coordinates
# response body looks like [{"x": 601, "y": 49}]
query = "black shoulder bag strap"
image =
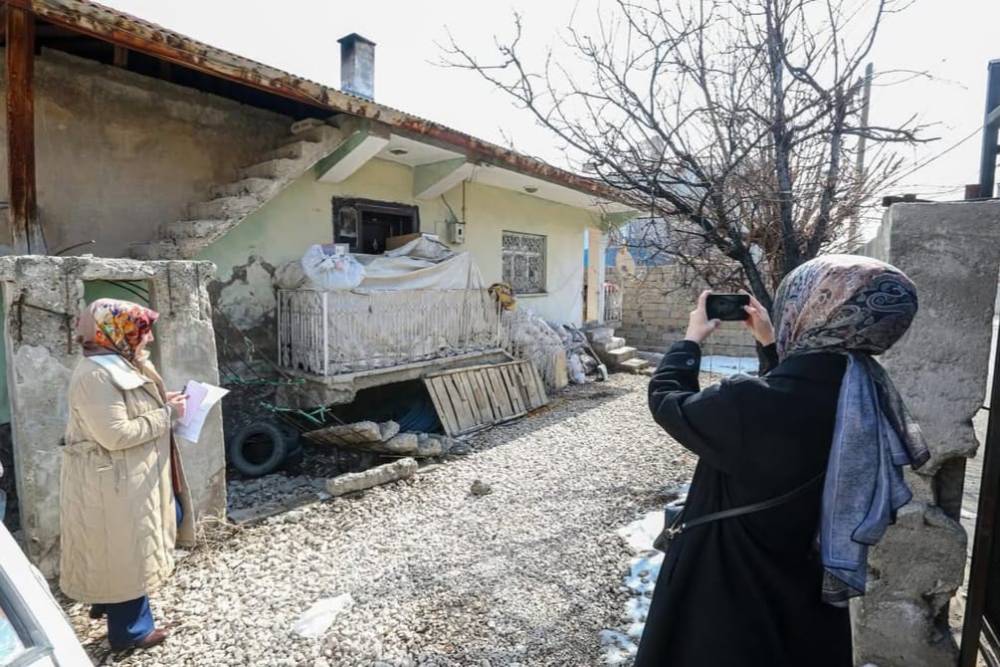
[{"x": 680, "y": 526}]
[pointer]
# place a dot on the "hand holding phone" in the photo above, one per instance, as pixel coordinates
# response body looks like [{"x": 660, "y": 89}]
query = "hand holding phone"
[{"x": 727, "y": 307}]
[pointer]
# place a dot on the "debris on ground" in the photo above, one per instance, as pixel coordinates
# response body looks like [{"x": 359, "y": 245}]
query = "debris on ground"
[
  {"x": 384, "y": 438},
  {"x": 582, "y": 359},
  {"x": 529, "y": 574},
  {"x": 533, "y": 339},
  {"x": 480, "y": 488},
  {"x": 383, "y": 474},
  {"x": 320, "y": 616}
]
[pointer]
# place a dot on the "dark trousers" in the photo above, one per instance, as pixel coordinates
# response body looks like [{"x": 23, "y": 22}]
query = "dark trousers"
[{"x": 131, "y": 621}]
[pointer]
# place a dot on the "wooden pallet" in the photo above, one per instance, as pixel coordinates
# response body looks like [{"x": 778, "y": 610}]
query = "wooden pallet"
[{"x": 470, "y": 399}]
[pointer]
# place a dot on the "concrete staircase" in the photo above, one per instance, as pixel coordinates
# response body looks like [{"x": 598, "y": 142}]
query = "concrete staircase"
[
  {"x": 309, "y": 141},
  {"x": 615, "y": 354}
]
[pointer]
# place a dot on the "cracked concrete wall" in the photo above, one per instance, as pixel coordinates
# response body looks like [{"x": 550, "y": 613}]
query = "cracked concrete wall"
[
  {"x": 952, "y": 253},
  {"x": 119, "y": 154},
  {"x": 42, "y": 296}
]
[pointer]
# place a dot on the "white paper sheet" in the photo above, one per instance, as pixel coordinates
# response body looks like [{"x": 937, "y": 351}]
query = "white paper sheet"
[{"x": 201, "y": 398}]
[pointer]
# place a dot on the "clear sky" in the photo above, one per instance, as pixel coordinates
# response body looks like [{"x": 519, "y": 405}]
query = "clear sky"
[{"x": 951, "y": 39}]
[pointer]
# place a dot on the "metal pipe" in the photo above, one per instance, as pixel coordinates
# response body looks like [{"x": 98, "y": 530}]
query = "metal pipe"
[{"x": 991, "y": 132}]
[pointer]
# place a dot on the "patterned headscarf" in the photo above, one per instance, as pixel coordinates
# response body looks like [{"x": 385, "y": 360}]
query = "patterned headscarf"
[
  {"x": 111, "y": 325},
  {"x": 858, "y": 307},
  {"x": 843, "y": 303}
]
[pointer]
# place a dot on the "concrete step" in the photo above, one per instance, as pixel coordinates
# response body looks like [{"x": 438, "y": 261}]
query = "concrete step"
[
  {"x": 195, "y": 229},
  {"x": 158, "y": 249},
  {"x": 295, "y": 150},
  {"x": 622, "y": 354},
  {"x": 635, "y": 366},
  {"x": 612, "y": 343},
  {"x": 317, "y": 133},
  {"x": 280, "y": 168},
  {"x": 257, "y": 187},
  {"x": 223, "y": 208},
  {"x": 600, "y": 334}
]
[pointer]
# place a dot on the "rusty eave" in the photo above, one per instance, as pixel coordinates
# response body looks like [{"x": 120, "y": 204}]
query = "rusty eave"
[{"x": 111, "y": 25}]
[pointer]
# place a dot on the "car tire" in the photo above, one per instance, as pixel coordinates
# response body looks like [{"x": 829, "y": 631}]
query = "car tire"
[{"x": 258, "y": 449}]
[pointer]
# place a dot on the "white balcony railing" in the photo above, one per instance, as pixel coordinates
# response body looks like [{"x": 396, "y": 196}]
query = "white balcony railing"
[
  {"x": 329, "y": 333},
  {"x": 613, "y": 301}
]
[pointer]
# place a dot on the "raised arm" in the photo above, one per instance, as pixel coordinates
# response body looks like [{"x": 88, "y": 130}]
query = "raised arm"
[{"x": 706, "y": 422}]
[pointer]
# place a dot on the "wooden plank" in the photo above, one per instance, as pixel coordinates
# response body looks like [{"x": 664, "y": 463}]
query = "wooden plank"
[
  {"x": 461, "y": 381},
  {"x": 485, "y": 409},
  {"x": 516, "y": 400},
  {"x": 541, "y": 385},
  {"x": 452, "y": 415},
  {"x": 121, "y": 56},
  {"x": 535, "y": 384},
  {"x": 479, "y": 387},
  {"x": 447, "y": 412},
  {"x": 462, "y": 411},
  {"x": 445, "y": 409},
  {"x": 26, "y": 232},
  {"x": 501, "y": 400},
  {"x": 528, "y": 384}
]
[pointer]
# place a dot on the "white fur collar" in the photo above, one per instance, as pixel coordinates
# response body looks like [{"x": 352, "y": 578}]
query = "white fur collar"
[{"x": 122, "y": 374}]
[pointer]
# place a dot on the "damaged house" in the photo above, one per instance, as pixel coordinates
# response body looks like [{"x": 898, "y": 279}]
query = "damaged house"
[{"x": 138, "y": 158}]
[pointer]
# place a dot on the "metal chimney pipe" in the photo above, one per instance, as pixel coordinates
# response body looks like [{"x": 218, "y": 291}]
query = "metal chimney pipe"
[{"x": 357, "y": 66}]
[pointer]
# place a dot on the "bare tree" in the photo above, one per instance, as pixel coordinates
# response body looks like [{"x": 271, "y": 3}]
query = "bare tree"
[{"x": 735, "y": 122}]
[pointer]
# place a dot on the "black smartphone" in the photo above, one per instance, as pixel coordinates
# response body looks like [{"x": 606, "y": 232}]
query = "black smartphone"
[{"x": 727, "y": 307}]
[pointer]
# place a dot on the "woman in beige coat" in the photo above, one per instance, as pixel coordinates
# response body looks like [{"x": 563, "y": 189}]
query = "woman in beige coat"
[{"x": 123, "y": 500}]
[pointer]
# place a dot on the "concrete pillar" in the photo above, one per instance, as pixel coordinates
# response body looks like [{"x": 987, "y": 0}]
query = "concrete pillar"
[
  {"x": 952, "y": 253},
  {"x": 596, "y": 243},
  {"x": 186, "y": 347},
  {"x": 39, "y": 307}
]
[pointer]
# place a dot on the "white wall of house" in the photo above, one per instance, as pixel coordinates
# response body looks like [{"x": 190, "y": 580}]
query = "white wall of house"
[{"x": 303, "y": 215}]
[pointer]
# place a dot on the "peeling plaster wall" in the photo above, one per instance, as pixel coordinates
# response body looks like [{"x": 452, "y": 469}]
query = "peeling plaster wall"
[
  {"x": 119, "y": 154},
  {"x": 303, "y": 214},
  {"x": 41, "y": 298}
]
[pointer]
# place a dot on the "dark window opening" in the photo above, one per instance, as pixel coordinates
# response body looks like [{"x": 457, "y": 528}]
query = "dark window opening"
[{"x": 366, "y": 224}]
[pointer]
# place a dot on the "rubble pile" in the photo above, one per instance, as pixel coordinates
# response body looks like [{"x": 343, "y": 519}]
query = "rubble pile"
[
  {"x": 382, "y": 438},
  {"x": 533, "y": 339}
]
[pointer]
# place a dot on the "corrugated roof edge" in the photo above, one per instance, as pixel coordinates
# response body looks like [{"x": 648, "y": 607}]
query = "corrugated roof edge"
[{"x": 117, "y": 27}]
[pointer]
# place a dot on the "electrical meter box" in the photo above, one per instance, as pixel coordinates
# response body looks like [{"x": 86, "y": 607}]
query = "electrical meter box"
[{"x": 456, "y": 232}]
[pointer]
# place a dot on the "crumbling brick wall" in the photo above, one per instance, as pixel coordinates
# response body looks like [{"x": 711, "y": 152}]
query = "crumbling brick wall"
[{"x": 656, "y": 303}]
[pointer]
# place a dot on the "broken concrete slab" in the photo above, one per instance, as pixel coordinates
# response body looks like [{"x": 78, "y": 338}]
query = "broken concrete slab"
[
  {"x": 383, "y": 474},
  {"x": 358, "y": 433},
  {"x": 404, "y": 443}
]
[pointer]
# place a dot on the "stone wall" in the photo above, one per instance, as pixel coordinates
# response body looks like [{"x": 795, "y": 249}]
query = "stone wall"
[
  {"x": 42, "y": 296},
  {"x": 952, "y": 253},
  {"x": 656, "y": 303}
]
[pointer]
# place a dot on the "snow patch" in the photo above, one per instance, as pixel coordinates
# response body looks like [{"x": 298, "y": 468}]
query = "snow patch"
[
  {"x": 728, "y": 365},
  {"x": 620, "y": 645}
]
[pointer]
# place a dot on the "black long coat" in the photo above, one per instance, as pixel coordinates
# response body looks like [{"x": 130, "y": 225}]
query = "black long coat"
[{"x": 745, "y": 592}]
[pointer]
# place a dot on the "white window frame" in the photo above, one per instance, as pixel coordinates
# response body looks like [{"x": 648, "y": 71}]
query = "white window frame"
[{"x": 538, "y": 289}]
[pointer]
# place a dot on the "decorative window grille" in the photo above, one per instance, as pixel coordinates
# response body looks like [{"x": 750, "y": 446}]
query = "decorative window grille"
[{"x": 524, "y": 262}]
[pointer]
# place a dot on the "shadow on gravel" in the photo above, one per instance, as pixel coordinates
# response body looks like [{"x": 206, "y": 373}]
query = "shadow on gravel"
[{"x": 569, "y": 404}]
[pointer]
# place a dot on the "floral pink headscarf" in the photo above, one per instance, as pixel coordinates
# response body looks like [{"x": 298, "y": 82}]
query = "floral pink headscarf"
[{"x": 111, "y": 326}]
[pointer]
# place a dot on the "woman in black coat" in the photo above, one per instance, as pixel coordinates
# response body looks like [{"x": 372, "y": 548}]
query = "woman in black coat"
[{"x": 754, "y": 590}]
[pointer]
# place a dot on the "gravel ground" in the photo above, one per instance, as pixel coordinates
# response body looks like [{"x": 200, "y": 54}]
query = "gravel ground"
[{"x": 528, "y": 574}]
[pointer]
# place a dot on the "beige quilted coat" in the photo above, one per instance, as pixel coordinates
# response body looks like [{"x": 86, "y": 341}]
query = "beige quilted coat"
[{"x": 118, "y": 522}]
